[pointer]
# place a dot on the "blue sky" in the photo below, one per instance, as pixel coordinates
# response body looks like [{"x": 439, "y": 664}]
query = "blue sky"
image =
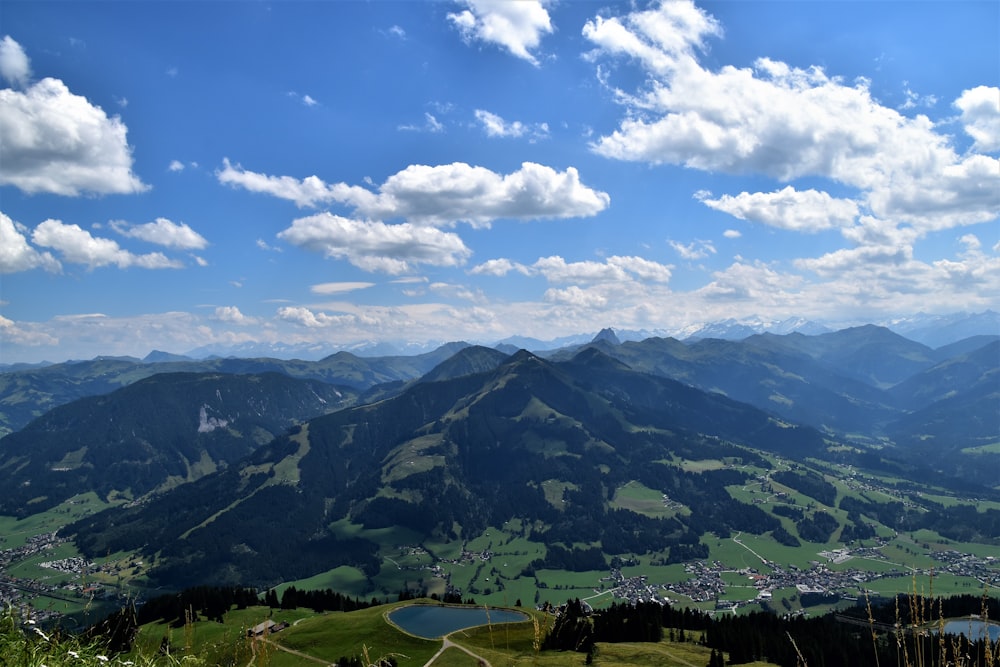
[{"x": 179, "y": 174}]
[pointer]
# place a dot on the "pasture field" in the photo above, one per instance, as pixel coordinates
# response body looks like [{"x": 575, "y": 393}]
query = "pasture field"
[
  {"x": 496, "y": 566},
  {"x": 991, "y": 448},
  {"x": 641, "y": 499},
  {"x": 344, "y": 579},
  {"x": 15, "y": 532},
  {"x": 311, "y": 638}
]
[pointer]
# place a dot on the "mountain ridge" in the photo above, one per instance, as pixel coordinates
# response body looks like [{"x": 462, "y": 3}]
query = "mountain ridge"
[
  {"x": 163, "y": 430},
  {"x": 467, "y": 451}
]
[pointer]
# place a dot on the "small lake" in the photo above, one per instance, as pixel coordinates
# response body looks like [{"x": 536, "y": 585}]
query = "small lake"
[
  {"x": 972, "y": 629},
  {"x": 433, "y": 622}
]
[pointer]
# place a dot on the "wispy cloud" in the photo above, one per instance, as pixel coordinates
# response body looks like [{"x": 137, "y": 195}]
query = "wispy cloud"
[
  {"x": 496, "y": 126},
  {"x": 694, "y": 250},
  {"x": 339, "y": 288},
  {"x": 431, "y": 125}
]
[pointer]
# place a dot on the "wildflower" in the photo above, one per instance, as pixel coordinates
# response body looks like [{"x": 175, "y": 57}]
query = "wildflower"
[
  {"x": 73, "y": 654},
  {"x": 41, "y": 634},
  {"x": 102, "y": 658}
]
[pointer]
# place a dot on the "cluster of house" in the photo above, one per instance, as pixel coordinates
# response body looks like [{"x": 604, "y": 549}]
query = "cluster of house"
[
  {"x": 985, "y": 569},
  {"x": 31, "y": 548},
  {"x": 19, "y": 593},
  {"x": 72, "y": 565},
  {"x": 635, "y": 589},
  {"x": 706, "y": 582},
  {"x": 16, "y": 593}
]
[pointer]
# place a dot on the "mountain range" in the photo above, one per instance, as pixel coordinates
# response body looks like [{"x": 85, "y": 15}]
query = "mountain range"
[
  {"x": 451, "y": 457},
  {"x": 159, "y": 432},
  {"x": 264, "y": 470}
]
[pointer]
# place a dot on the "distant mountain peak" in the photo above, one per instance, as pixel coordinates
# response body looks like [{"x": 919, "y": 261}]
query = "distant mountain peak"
[
  {"x": 607, "y": 334},
  {"x": 522, "y": 356},
  {"x": 159, "y": 356},
  {"x": 595, "y": 359}
]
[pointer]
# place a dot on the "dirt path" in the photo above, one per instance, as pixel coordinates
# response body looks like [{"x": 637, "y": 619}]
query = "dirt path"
[
  {"x": 447, "y": 644},
  {"x": 736, "y": 538},
  {"x": 298, "y": 654},
  {"x": 670, "y": 654}
]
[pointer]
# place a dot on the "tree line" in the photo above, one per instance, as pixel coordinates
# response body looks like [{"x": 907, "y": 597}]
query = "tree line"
[{"x": 826, "y": 640}]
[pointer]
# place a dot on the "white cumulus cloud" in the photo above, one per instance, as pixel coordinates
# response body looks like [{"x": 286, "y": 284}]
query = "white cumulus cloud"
[
  {"x": 441, "y": 195},
  {"x": 15, "y": 333},
  {"x": 78, "y": 246},
  {"x": 232, "y": 315},
  {"x": 788, "y": 122},
  {"x": 307, "y": 318},
  {"x": 57, "y": 142},
  {"x": 458, "y": 192},
  {"x": 643, "y": 269},
  {"x": 163, "y": 232},
  {"x": 376, "y": 246},
  {"x": 575, "y": 296},
  {"x": 499, "y": 267},
  {"x": 980, "y": 109},
  {"x": 16, "y": 254},
  {"x": 308, "y": 192},
  {"x": 806, "y": 210},
  {"x": 516, "y": 26},
  {"x": 556, "y": 269},
  {"x": 14, "y": 64}
]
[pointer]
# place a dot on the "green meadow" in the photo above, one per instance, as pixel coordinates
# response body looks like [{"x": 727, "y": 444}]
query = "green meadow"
[{"x": 311, "y": 638}]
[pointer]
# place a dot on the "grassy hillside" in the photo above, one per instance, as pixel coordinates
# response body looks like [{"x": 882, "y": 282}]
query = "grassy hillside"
[{"x": 323, "y": 638}]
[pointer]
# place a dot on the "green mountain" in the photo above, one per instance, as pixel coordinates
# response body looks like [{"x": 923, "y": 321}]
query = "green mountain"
[
  {"x": 153, "y": 434},
  {"x": 955, "y": 426},
  {"x": 872, "y": 354},
  {"x": 544, "y": 441},
  {"x": 865, "y": 384},
  {"x": 767, "y": 372},
  {"x": 978, "y": 367},
  {"x": 30, "y": 393}
]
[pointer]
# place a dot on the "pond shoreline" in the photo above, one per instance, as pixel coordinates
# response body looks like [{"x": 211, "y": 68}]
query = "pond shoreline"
[{"x": 436, "y": 621}]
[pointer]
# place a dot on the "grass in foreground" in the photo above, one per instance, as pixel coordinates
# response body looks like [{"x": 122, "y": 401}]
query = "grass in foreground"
[{"x": 33, "y": 647}]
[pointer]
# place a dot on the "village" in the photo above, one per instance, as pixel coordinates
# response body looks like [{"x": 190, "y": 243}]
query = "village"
[
  {"x": 707, "y": 582},
  {"x": 35, "y": 599}
]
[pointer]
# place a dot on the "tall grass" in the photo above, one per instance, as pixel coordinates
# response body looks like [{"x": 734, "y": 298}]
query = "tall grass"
[
  {"x": 24, "y": 644},
  {"x": 920, "y": 639}
]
